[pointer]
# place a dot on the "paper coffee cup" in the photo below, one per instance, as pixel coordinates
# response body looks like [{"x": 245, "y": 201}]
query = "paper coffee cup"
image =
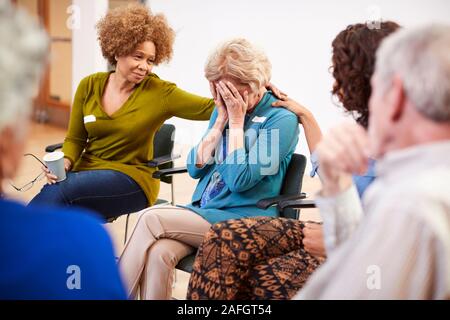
[{"x": 55, "y": 163}]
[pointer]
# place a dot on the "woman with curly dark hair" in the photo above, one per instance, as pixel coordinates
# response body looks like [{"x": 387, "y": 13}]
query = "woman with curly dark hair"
[
  {"x": 115, "y": 116},
  {"x": 353, "y": 62},
  {"x": 271, "y": 258},
  {"x": 353, "y": 66}
]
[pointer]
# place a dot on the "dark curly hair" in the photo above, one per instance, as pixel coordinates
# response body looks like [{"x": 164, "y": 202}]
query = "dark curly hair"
[
  {"x": 353, "y": 64},
  {"x": 124, "y": 28}
]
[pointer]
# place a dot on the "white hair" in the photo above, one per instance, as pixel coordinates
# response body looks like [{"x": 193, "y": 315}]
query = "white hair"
[
  {"x": 421, "y": 58},
  {"x": 23, "y": 50},
  {"x": 241, "y": 60}
]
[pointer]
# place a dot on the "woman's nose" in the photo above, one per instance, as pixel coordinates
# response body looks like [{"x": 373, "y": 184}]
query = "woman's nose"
[{"x": 142, "y": 67}]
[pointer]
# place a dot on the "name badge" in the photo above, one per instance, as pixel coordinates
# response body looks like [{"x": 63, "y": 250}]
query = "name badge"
[
  {"x": 89, "y": 118},
  {"x": 259, "y": 119}
]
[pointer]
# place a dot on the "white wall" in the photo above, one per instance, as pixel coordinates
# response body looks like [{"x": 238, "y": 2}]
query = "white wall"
[
  {"x": 296, "y": 35},
  {"x": 86, "y": 53}
]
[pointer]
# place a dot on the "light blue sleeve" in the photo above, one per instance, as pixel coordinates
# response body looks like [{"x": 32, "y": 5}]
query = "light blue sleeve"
[
  {"x": 314, "y": 163},
  {"x": 364, "y": 181},
  {"x": 192, "y": 169},
  {"x": 242, "y": 170}
]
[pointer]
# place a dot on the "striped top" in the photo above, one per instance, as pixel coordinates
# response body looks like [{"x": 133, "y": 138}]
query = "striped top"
[{"x": 400, "y": 248}]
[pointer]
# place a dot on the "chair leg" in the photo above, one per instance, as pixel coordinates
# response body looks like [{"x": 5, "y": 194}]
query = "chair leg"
[
  {"x": 174, "y": 279},
  {"x": 126, "y": 229},
  {"x": 172, "y": 192}
]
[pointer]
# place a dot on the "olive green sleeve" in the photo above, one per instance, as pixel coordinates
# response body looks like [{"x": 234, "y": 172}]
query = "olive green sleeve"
[
  {"x": 182, "y": 104},
  {"x": 76, "y": 138}
]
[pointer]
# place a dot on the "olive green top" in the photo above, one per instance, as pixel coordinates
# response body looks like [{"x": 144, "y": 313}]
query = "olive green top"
[{"x": 124, "y": 140}]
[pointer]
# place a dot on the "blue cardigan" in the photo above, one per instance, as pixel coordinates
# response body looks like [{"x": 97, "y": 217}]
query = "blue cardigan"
[
  {"x": 55, "y": 253},
  {"x": 251, "y": 173}
]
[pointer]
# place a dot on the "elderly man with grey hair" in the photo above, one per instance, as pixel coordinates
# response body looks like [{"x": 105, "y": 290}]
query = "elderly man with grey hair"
[
  {"x": 396, "y": 245},
  {"x": 45, "y": 253}
]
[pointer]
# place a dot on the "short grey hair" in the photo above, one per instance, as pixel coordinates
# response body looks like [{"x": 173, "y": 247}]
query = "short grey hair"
[
  {"x": 421, "y": 57},
  {"x": 240, "y": 60},
  {"x": 23, "y": 51}
]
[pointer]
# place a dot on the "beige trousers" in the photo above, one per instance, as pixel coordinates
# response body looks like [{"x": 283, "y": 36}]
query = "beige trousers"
[{"x": 161, "y": 238}]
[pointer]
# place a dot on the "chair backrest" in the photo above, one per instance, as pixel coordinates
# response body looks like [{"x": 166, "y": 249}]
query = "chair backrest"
[
  {"x": 292, "y": 183},
  {"x": 163, "y": 145}
]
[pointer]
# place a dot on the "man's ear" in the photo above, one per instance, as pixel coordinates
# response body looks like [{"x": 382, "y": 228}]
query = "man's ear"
[{"x": 397, "y": 97}]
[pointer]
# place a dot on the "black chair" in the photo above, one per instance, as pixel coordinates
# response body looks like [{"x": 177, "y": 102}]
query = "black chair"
[
  {"x": 163, "y": 144},
  {"x": 290, "y": 191}
]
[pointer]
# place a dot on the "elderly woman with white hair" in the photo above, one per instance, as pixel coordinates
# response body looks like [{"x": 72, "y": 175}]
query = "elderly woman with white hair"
[
  {"x": 43, "y": 250},
  {"x": 242, "y": 158}
]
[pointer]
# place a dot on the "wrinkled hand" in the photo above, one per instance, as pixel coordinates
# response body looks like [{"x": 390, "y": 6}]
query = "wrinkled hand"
[
  {"x": 342, "y": 152},
  {"x": 51, "y": 178},
  {"x": 236, "y": 105},
  {"x": 314, "y": 241},
  {"x": 276, "y": 92},
  {"x": 222, "y": 114},
  {"x": 292, "y": 106}
]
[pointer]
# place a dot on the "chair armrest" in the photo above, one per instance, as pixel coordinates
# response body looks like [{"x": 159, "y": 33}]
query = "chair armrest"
[
  {"x": 162, "y": 160},
  {"x": 268, "y": 202},
  {"x": 168, "y": 172},
  {"x": 297, "y": 204},
  {"x": 53, "y": 147}
]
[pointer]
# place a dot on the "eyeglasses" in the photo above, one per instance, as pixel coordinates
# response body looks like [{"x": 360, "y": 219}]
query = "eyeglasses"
[{"x": 30, "y": 184}]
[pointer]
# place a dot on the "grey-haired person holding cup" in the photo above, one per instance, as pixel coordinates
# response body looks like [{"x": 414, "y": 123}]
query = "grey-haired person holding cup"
[{"x": 43, "y": 254}]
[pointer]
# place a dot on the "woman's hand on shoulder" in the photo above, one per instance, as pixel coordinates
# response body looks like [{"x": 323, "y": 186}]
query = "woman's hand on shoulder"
[
  {"x": 293, "y": 106},
  {"x": 276, "y": 92}
]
